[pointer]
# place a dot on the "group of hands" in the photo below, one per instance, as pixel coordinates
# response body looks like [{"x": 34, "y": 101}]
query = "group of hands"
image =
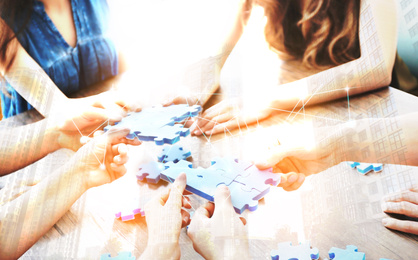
[{"x": 103, "y": 157}]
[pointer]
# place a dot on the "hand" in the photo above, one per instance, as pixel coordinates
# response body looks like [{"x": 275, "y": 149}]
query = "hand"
[
  {"x": 404, "y": 203},
  {"x": 190, "y": 100},
  {"x": 228, "y": 115},
  {"x": 81, "y": 117},
  {"x": 216, "y": 230},
  {"x": 102, "y": 159},
  {"x": 165, "y": 218}
]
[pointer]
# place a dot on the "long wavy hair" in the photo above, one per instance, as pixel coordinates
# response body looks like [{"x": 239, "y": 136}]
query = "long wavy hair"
[
  {"x": 321, "y": 32},
  {"x": 12, "y": 11}
]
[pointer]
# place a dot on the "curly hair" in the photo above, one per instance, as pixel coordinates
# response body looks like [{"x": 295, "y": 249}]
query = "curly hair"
[{"x": 319, "y": 32}]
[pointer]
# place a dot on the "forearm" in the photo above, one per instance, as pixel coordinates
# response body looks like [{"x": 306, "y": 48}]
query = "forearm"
[
  {"x": 33, "y": 84},
  {"x": 26, "y": 145},
  {"x": 28, "y": 217},
  {"x": 386, "y": 140}
]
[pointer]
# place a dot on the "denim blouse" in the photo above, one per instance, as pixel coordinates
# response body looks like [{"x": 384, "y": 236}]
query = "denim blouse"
[{"x": 93, "y": 59}]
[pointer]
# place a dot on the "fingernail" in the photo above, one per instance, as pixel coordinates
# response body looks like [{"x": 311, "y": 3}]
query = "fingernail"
[
  {"x": 301, "y": 178},
  {"x": 384, "y": 206},
  {"x": 186, "y": 219},
  {"x": 196, "y": 132},
  {"x": 385, "y": 221},
  {"x": 292, "y": 178},
  {"x": 181, "y": 177}
]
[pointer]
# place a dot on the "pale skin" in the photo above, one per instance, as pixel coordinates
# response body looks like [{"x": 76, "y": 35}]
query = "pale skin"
[
  {"x": 50, "y": 101},
  {"x": 96, "y": 163},
  {"x": 221, "y": 228},
  {"x": 297, "y": 162},
  {"x": 239, "y": 112}
]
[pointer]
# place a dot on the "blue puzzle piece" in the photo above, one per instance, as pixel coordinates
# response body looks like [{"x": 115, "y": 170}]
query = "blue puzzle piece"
[
  {"x": 260, "y": 180},
  {"x": 173, "y": 153},
  {"x": 232, "y": 167},
  {"x": 120, "y": 256},
  {"x": 286, "y": 251},
  {"x": 200, "y": 181},
  {"x": 150, "y": 171},
  {"x": 158, "y": 123},
  {"x": 350, "y": 253},
  {"x": 365, "y": 168}
]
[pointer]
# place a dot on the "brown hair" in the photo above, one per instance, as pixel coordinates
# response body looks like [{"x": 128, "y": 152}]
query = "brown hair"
[
  {"x": 12, "y": 11},
  {"x": 320, "y": 33}
]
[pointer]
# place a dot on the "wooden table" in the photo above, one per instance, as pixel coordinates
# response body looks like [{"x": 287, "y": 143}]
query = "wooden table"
[{"x": 335, "y": 208}]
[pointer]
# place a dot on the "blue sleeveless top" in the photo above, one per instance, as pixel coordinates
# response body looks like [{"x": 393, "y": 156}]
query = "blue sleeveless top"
[{"x": 92, "y": 60}]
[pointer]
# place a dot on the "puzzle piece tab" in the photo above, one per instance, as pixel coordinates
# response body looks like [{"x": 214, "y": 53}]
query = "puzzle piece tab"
[
  {"x": 365, "y": 168},
  {"x": 350, "y": 253},
  {"x": 286, "y": 251},
  {"x": 120, "y": 256},
  {"x": 150, "y": 172},
  {"x": 174, "y": 153},
  {"x": 158, "y": 123}
]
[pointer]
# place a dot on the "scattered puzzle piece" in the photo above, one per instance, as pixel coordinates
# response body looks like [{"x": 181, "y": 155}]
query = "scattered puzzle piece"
[
  {"x": 129, "y": 215},
  {"x": 350, "y": 253},
  {"x": 150, "y": 172},
  {"x": 286, "y": 251},
  {"x": 365, "y": 168},
  {"x": 120, "y": 256},
  {"x": 158, "y": 123},
  {"x": 173, "y": 153}
]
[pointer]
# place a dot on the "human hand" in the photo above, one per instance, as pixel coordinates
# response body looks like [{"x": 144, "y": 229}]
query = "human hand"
[
  {"x": 228, "y": 115},
  {"x": 216, "y": 230},
  {"x": 102, "y": 159},
  {"x": 165, "y": 218},
  {"x": 404, "y": 203}
]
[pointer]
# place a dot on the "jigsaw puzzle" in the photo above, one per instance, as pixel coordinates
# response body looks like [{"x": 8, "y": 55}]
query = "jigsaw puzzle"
[
  {"x": 150, "y": 172},
  {"x": 120, "y": 256},
  {"x": 350, "y": 253},
  {"x": 286, "y": 251},
  {"x": 158, "y": 123},
  {"x": 246, "y": 183},
  {"x": 173, "y": 153},
  {"x": 365, "y": 168},
  {"x": 129, "y": 215}
]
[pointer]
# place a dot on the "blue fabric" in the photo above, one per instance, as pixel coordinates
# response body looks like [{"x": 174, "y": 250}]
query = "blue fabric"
[{"x": 92, "y": 60}]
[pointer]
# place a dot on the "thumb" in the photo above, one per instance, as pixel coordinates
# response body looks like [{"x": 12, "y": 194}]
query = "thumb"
[
  {"x": 271, "y": 157},
  {"x": 222, "y": 198}
]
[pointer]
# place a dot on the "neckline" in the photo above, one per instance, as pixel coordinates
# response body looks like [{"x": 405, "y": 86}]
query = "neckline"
[{"x": 39, "y": 6}]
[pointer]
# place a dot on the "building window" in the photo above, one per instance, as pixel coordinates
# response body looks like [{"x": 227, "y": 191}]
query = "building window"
[
  {"x": 395, "y": 140},
  {"x": 409, "y": 16},
  {"x": 405, "y": 3},
  {"x": 413, "y": 30},
  {"x": 379, "y": 147}
]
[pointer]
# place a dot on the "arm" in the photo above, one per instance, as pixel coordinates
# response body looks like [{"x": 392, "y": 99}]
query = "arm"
[
  {"x": 26, "y": 218},
  {"x": 371, "y": 140},
  {"x": 165, "y": 218},
  {"x": 377, "y": 35}
]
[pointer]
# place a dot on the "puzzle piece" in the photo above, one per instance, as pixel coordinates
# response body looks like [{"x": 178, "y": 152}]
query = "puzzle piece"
[
  {"x": 200, "y": 181},
  {"x": 158, "y": 123},
  {"x": 365, "y": 168},
  {"x": 150, "y": 171},
  {"x": 173, "y": 153},
  {"x": 203, "y": 182},
  {"x": 129, "y": 215},
  {"x": 120, "y": 256},
  {"x": 350, "y": 253},
  {"x": 286, "y": 251},
  {"x": 260, "y": 180}
]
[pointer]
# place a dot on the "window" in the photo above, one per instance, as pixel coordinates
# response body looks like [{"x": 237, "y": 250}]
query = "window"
[
  {"x": 405, "y": 3},
  {"x": 379, "y": 146},
  {"x": 365, "y": 152},
  {"x": 409, "y": 16},
  {"x": 395, "y": 140},
  {"x": 413, "y": 30}
]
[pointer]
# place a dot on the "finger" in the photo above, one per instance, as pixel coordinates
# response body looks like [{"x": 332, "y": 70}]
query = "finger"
[
  {"x": 296, "y": 185},
  {"x": 230, "y": 125},
  {"x": 185, "y": 218},
  {"x": 404, "y": 208},
  {"x": 401, "y": 225},
  {"x": 205, "y": 211},
  {"x": 98, "y": 133},
  {"x": 116, "y": 134},
  {"x": 164, "y": 197},
  {"x": 408, "y": 195},
  {"x": 222, "y": 197},
  {"x": 120, "y": 160},
  {"x": 177, "y": 189},
  {"x": 186, "y": 203},
  {"x": 119, "y": 170},
  {"x": 243, "y": 220}
]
